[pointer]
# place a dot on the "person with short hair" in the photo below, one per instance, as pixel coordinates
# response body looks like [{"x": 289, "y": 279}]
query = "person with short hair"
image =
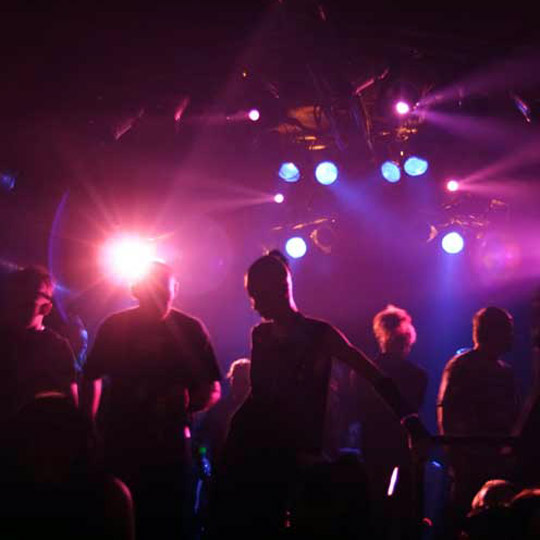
[
  {"x": 33, "y": 358},
  {"x": 160, "y": 368},
  {"x": 478, "y": 396}
]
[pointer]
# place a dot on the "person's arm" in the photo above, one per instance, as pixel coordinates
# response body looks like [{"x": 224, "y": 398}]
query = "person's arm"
[
  {"x": 203, "y": 396},
  {"x": 94, "y": 370},
  {"x": 450, "y": 403},
  {"x": 340, "y": 348},
  {"x": 120, "y": 521}
]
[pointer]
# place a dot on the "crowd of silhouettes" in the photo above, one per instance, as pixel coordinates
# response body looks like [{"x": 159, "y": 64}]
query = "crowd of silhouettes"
[{"x": 311, "y": 440}]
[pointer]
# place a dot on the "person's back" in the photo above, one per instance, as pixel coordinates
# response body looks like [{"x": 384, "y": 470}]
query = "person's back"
[{"x": 478, "y": 396}]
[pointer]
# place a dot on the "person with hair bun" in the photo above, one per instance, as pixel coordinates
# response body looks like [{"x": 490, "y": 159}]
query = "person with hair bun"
[{"x": 278, "y": 433}]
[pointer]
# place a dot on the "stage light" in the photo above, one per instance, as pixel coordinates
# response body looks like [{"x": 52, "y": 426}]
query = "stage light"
[
  {"x": 402, "y": 108},
  {"x": 289, "y": 172},
  {"x": 296, "y": 247},
  {"x": 7, "y": 181},
  {"x": 415, "y": 166},
  {"x": 279, "y": 198},
  {"x": 391, "y": 171},
  {"x": 453, "y": 243},
  {"x": 452, "y": 185},
  {"x": 254, "y": 115},
  {"x": 128, "y": 258},
  {"x": 326, "y": 173}
]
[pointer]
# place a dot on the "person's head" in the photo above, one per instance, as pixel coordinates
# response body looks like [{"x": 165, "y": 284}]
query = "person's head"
[
  {"x": 394, "y": 331},
  {"x": 28, "y": 297},
  {"x": 240, "y": 379},
  {"x": 269, "y": 285},
  {"x": 494, "y": 493},
  {"x": 493, "y": 330},
  {"x": 156, "y": 290}
]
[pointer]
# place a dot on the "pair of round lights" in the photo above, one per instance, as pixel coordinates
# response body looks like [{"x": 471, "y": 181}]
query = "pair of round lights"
[
  {"x": 413, "y": 166},
  {"x": 326, "y": 172}
]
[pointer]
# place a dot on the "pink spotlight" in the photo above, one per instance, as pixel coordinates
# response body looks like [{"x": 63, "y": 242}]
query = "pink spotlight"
[
  {"x": 254, "y": 115},
  {"x": 279, "y": 198},
  {"x": 402, "y": 108},
  {"x": 452, "y": 185},
  {"x": 128, "y": 258}
]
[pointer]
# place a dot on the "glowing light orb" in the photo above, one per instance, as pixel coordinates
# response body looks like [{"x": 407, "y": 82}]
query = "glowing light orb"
[
  {"x": 296, "y": 247},
  {"x": 279, "y": 198},
  {"x": 452, "y": 185},
  {"x": 415, "y": 166},
  {"x": 402, "y": 108},
  {"x": 254, "y": 115},
  {"x": 128, "y": 258},
  {"x": 326, "y": 173},
  {"x": 289, "y": 172},
  {"x": 453, "y": 243},
  {"x": 391, "y": 171}
]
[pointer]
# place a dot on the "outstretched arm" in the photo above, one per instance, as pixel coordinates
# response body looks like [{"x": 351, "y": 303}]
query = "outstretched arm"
[{"x": 340, "y": 348}]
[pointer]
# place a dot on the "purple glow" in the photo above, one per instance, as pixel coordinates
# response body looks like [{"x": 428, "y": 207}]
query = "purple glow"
[
  {"x": 128, "y": 258},
  {"x": 279, "y": 198},
  {"x": 402, "y": 108},
  {"x": 452, "y": 185},
  {"x": 254, "y": 115}
]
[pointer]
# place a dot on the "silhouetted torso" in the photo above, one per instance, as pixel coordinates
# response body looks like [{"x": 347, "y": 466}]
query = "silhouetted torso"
[
  {"x": 33, "y": 362},
  {"x": 149, "y": 366}
]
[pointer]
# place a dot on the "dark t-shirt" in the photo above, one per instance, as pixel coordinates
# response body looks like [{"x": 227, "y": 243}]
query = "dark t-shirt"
[
  {"x": 33, "y": 362},
  {"x": 478, "y": 396},
  {"x": 290, "y": 381},
  {"x": 149, "y": 367}
]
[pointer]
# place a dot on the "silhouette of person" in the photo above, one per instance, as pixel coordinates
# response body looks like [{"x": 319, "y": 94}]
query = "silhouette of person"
[
  {"x": 34, "y": 358},
  {"x": 52, "y": 480},
  {"x": 478, "y": 396},
  {"x": 279, "y": 430},
  {"x": 160, "y": 368},
  {"x": 383, "y": 439}
]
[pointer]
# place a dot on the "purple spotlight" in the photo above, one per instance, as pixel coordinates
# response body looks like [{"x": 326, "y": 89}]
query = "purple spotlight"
[
  {"x": 279, "y": 198},
  {"x": 402, "y": 108},
  {"x": 254, "y": 115}
]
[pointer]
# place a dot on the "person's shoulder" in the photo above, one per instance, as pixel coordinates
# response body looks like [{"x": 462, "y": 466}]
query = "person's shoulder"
[
  {"x": 54, "y": 337},
  {"x": 179, "y": 318},
  {"x": 119, "y": 318},
  {"x": 460, "y": 362},
  {"x": 318, "y": 325}
]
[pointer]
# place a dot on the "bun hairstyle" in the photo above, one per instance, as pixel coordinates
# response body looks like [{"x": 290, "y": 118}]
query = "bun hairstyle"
[{"x": 278, "y": 255}]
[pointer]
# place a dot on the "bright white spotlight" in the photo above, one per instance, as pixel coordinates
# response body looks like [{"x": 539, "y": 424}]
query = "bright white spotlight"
[
  {"x": 254, "y": 115},
  {"x": 296, "y": 247},
  {"x": 289, "y": 172},
  {"x": 128, "y": 258},
  {"x": 326, "y": 173},
  {"x": 452, "y": 185},
  {"x": 279, "y": 198},
  {"x": 453, "y": 243},
  {"x": 402, "y": 108}
]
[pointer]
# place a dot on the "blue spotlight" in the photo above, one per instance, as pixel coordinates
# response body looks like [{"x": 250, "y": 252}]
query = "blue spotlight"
[
  {"x": 453, "y": 243},
  {"x": 289, "y": 172},
  {"x": 391, "y": 172},
  {"x": 296, "y": 247},
  {"x": 7, "y": 181},
  {"x": 326, "y": 173},
  {"x": 415, "y": 166}
]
